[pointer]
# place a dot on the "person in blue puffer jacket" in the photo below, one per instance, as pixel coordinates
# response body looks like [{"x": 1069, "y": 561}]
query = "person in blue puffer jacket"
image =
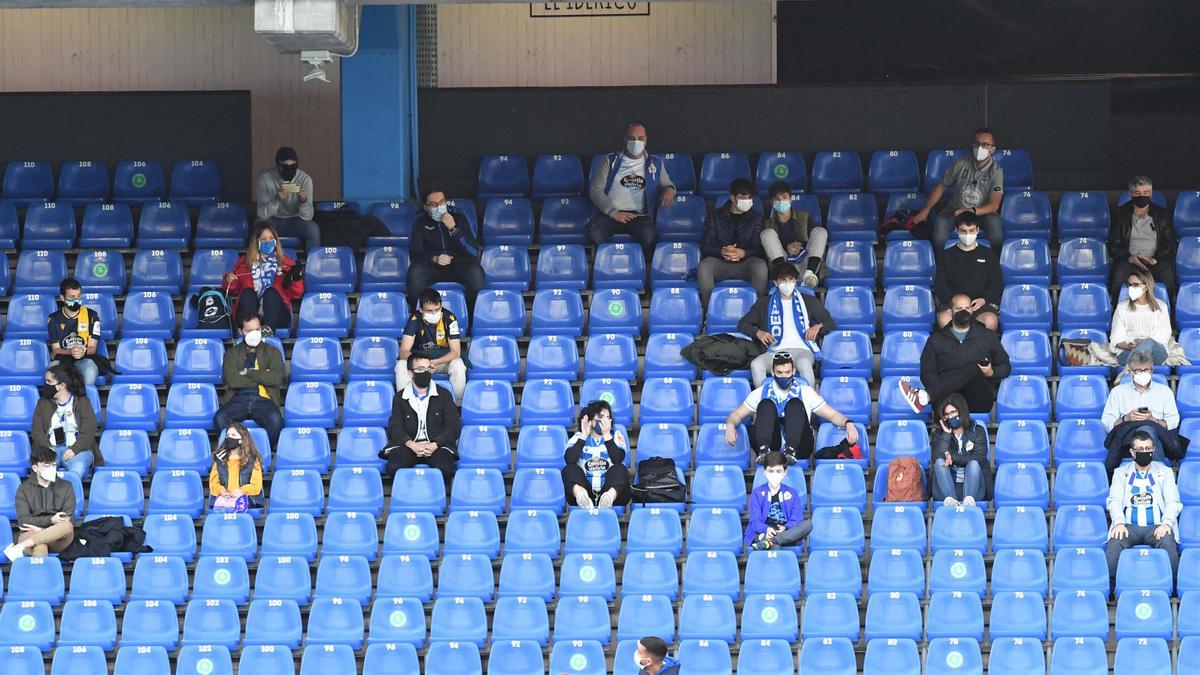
[{"x": 776, "y": 508}]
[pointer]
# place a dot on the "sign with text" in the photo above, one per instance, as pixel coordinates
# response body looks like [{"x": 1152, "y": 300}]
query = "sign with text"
[{"x": 544, "y": 10}]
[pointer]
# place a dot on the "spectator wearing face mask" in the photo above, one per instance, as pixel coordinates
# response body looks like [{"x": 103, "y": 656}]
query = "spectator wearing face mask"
[
  {"x": 978, "y": 184},
  {"x": 424, "y": 426},
  {"x": 972, "y": 270},
  {"x": 443, "y": 248},
  {"x": 626, "y": 188},
  {"x": 963, "y": 357},
  {"x": 433, "y": 330},
  {"x": 776, "y": 509},
  {"x": 253, "y": 372},
  {"x": 285, "y": 194},
  {"x": 64, "y": 421},
  {"x": 264, "y": 281},
  {"x": 1141, "y": 238},
  {"x": 787, "y": 236},
  {"x": 786, "y": 322},
  {"x": 74, "y": 332},
  {"x": 1141, "y": 405},
  {"x": 732, "y": 243},
  {"x": 237, "y": 468},
  {"x": 651, "y": 657},
  {"x": 1143, "y": 505},
  {"x": 1141, "y": 323},
  {"x": 44, "y": 507},
  {"x": 594, "y": 471},
  {"x": 959, "y": 464}
]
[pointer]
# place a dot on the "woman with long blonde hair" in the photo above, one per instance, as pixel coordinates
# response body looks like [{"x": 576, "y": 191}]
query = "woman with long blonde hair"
[
  {"x": 264, "y": 280},
  {"x": 1142, "y": 323}
]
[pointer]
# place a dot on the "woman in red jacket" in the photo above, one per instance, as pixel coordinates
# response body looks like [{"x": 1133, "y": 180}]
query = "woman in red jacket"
[{"x": 264, "y": 280}]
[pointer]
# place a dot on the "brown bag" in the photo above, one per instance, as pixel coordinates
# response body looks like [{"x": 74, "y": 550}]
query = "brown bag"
[{"x": 904, "y": 481}]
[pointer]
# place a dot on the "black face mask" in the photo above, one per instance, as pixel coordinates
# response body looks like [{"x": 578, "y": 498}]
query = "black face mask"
[
  {"x": 231, "y": 443},
  {"x": 1143, "y": 459},
  {"x": 288, "y": 171},
  {"x": 962, "y": 319},
  {"x": 48, "y": 390},
  {"x": 1141, "y": 202},
  {"x": 422, "y": 380}
]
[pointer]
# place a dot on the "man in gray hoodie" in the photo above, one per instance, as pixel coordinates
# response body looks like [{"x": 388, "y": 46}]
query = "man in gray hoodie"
[
  {"x": 45, "y": 507},
  {"x": 284, "y": 194}
]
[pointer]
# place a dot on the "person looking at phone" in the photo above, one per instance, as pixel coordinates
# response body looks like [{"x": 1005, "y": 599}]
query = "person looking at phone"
[
  {"x": 284, "y": 195},
  {"x": 1140, "y": 405},
  {"x": 45, "y": 507},
  {"x": 959, "y": 467},
  {"x": 595, "y": 473},
  {"x": 964, "y": 357}
]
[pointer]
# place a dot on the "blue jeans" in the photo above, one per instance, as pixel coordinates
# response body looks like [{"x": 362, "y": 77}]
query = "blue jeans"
[
  {"x": 78, "y": 465},
  {"x": 88, "y": 371},
  {"x": 251, "y": 407},
  {"x": 1155, "y": 349},
  {"x": 944, "y": 485},
  {"x": 305, "y": 230}
]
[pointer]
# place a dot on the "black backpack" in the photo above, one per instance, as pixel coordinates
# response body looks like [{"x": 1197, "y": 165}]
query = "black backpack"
[
  {"x": 212, "y": 310},
  {"x": 658, "y": 482}
]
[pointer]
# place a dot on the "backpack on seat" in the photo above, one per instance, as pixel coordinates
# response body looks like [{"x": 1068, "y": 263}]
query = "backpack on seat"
[
  {"x": 658, "y": 482},
  {"x": 212, "y": 309},
  {"x": 904, "y": 481}
]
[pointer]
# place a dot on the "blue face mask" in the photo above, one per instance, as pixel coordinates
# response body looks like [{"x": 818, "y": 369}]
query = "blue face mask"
[
  {"x": 954, "y": 422},
  {"x": 438, "y": 211},
  {"x": 783, "y": 206},
  {"x": 784, "y": 382},
  {"x": 266, "y": 247}
]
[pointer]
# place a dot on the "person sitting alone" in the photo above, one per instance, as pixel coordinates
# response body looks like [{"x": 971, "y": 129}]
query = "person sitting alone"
[
  {"x": 595, "y": 471},
  {"x": 1143, "y": 505},
  {"x": 237, "y": 471},
  {"x": 786, "y": 322},
  {"x": 776, "y": 508},
  {"x": 651, "y": 657},
  {"x": 424, "y": 426},
  {"x": 44, "y": 508},
  {"x": 1142, "y": 323},
  {"x": 434, "y": 330},
  {"x": 958, "y": 455}
]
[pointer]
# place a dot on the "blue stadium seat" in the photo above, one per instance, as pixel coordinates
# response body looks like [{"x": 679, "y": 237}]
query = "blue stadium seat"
[
  {"x": 1024, "y": 397},
  {"x": 398, "y": 218},
  {"x": 578, "y": 657},
  {"x": 507, "y": 267},
  {"x": 356, "y": 488},
  {"x": 458, "y": 619},
  {"x": 49, "y": 225},
  {"x": 671, "y": 266},
  {"x": 846, "y": 353},
  {"x": 617, "y": 311},
  {"x": 789, "y": 167},
  {"x": 675, "y": 310},
  {"x": 557, "y": 176},
  {"x": 14, "y": 455},
  {"x": 1019, "y": 570},
  {"x": 1080, "y": 569},
  {"x": 470, "y": 531},
  {"x": 502, "y": 176},
  {"x": 1025, "y": 307},
  {"x": 895, "y": 616},
  {"x": 527, "y": 574},
  {"x": 832, "y": 655},
  {"x": 224, "y": 577},
  {"x": 514, "y": 657},
  {"x": 610, "y": 355},
  {"x": 558, "y": 267},
  {"x": 162, "y": 577},
  {"x": 836, "y": 172},
  {"x": 717, "y": 169},
  {"x": 1187, "y": 304},
  {"x": 221, "y": 225},
  {"x": 209, "y": 267},
  {"x": 563, "y": 221},
  {"x": 839, "y": 484},
  {"x": 715, "y": 529},
  {"x": 1081, "y": 525},
  {"x": 833, "y": 571},
  {"x": 1026, "y": 214},
  {"x": 398, "y": 620},
  {"x": 134, "y": 660},
  {"x": 10, "y": 226},
  {"x": 384, "y": 269},
  {"x": 899, "y": 525},
  {"x": 1135, "y": 654},
  {"x": 327, "y": 658},
  {"x": 1028, "y": 351},
  {"x": 1080, "y": 483},
  {"x": 896, "y": 570},
  {"x": 267, "y": 658},
  {"x": 891, "y": 171},
  {"x": 1018, "y": 168},
  {"x": 852, "y": 216},
  {"x": 711, "y": 447},
  {"x": 367, "y": 403},
  {"x": 148, "y": 314},
  {"x": 949, "y": 655},
  {"x": 850, "y": 395},
  {"x": 653, "y": 573},
  {"x": 373, "y": 358},
  {"x": 680, "y": 167},
  {"x": 589, "y": 574},
  {"x": 1017, "y": 614},
  {"x": 616, "y": 393},
  {"x": 550, "y": 356},
  {"x": 1079, "y": 614},
  {"x": 646, "y": 615},
  {"x": 852, "y": 308},
  {"x": 957, "y": 569},
  {"x": 593, "y": 531},
  {"x": 212, "y": 622},
  {"x": 1086, "y": 260},
  {"x": 191, "y": 405},
  {"x": 452, "y": 658},
  {"x": 1079, "y": 440},
  {"x": 711, "y": 573},
  {"x": 1020, "y": 527},
  {"x": 344, "y": 577},
  {"x": 289, "y": 534},
  {"x": 82, "y": 183},
  {"x": 1024, "y": 441},
  {"x": 537, "y": 488},
  {"x": 508, "y": 221},
  {"x": 1084, "y": 305},
  {"x": 1021, "y": 484},
  {"x": 667, "y": 439},
  {"x": 150, "y": 623},
  {"x": 850, "y": 263},
  {"x": 325, "y": 315},
  {"x": 360, "y": 446},
  {"x": 298, "y": 490},
  {"x": 229, "y": 535},
  {"x": 310, "y": 404},
  {"x": 116, "y": 492},
  {"x": 273, "y": 622},
  {"x": 98, "y": 578},
  {"x": 1188, "y": 623},
  {"x": 1187, "y": 212},
  {"x": 707, "y": 617},
  {"x": 718, "y": 486},
  {"x": 547, "y": 401},
  {"x": 959, "y": 528},
  {"x": 138, "y": 181},
  {"x": 418, "y": 489},
  {"x": 164, "y": 225},
  {"x": 485, "y": 446},
  {"x": 773, "y": 572},
  {"x": 954, "y": 615},
  {"x": 1083, "y": 214},
  {"x": 1016, "y": 656},
  {"x": 316, "y": 359},
  {"x": 27, "y": 622},
  {"x": 900, "y": 354},
  {"x": 837, "y": 527},
  {"x": 489, "y": 402},
  {"x": 26, "y": 183},
  {"x": 195, "y": 182},
  {"x": 908, "y": 308},
  {"x": 171, "y": 534},
  {"x": 283, "y": 577},
  {"x": 23, "y": 361},
  {"x": 17, "y": 402},
  {"x": 1145, "y": 614},
  {"x": 331, "y": 268},
  {"x": 655, "y": 529},
  {"x": 156, "y": 270},
  {"x": 1142, "y": 569},
  {"x": 183, "y": 449},
  {"x": 767, "y": 617},
  {"x": 557, "y": 311},
  {"x": 1025, "y": 261},
  {"x": 901, "y": 438},
  {"x": 351, "y": 533},
  {"x": 40, "y": 271},
  {"x": 666, "y": 400},
  {"x": 892, "y": 656},
  {"x": 177, "y": 491},
  {"x": 70, "y": 659},
  {"x": 908, "y": 262}
]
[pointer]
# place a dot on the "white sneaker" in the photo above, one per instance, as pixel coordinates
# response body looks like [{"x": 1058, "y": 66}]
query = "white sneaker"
[
  {"x": 950, "y": 501},
  {"x": 915, "y": 398},
  {"x": 14, "y": 551},
  {"x": 968, "y": 501},
  {"x": 582, "y": 499},
  {"x": 810, "y": 279}
]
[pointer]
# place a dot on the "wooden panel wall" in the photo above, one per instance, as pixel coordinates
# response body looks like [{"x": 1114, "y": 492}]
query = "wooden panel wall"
[
  {"x": 679, "y": 43},
  {"x": 180, "y": 49}
]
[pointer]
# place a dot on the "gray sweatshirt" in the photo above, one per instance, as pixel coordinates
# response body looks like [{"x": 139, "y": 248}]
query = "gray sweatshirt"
[
  {"x": 266, "y": 193},
  {"x": 36, "y": 504}
]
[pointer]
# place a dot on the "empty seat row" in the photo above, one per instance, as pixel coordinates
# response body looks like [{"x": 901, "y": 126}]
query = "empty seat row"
[{"x": 133, "y": 181}]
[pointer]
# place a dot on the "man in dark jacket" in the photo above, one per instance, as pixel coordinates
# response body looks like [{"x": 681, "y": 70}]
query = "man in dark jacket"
[
  {"x": 732, "y": 244},
  {"x": 651, "y": 657},
  {"x": 1141, "y": 238},
  {"x": 45, "y": 507},
  {"x": 253, "y": 372},
  {"x": 443, "y": 248},
  {"x": 963, "y": 357},
  {"x": 786, "y": 322},
  {"x": 972, "y": 270},
  {"x": 424, "y": 427}
]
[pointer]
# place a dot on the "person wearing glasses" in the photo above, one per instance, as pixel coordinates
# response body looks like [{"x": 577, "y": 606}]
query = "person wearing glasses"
[
  {"x": 978, "y": 184},
  {"x": 424, "y": 426},
  {"x": 1141, "y": 404},
  {"x": 443, "y": 248}
]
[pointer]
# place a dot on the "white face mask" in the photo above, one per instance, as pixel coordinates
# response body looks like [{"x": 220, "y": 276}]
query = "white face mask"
[
  {"x": 432, "y": 317},
  {"x": 968, "y": 239},
  {"x": 638, "y": 662},
  {"x": 774, "y": 479},
  {"x": 786, "y": 287},
  {"x": 47, "y": 473},
  {"x": 1136, "y": 292},
  {"x": 981, "y": 154},
  {"x": 253, "y": 338},
  {"x": 634, "y": 147},
  {"x": 743, "y": 205},
  {"x": 1142, "y": 379}
]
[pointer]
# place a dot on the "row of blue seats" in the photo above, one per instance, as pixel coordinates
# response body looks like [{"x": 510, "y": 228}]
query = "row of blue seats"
[
  {"x": 160, "y": 224},
  {"x": 134, "y": 182},
  {"x": 833, "y": 172}
]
